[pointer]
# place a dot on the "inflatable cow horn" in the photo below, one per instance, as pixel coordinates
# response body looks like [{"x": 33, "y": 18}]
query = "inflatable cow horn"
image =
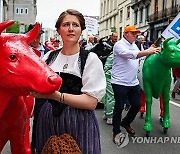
[
  {"x": 165, "y": 43},
  {"x": 5, "y": 25},
  {"x": 32, "y": 34},
  {"x": 177, "y": 42}
]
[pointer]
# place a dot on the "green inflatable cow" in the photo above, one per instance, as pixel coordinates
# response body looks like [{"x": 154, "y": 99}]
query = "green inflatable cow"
[{"x": 156, "y": 75}]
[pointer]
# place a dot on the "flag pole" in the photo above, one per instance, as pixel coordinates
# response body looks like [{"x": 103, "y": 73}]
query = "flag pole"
[{"x": 155, "y": 42}]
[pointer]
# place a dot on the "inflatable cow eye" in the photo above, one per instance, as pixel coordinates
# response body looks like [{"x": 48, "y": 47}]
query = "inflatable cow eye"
[{"x": 12, "y": 57}]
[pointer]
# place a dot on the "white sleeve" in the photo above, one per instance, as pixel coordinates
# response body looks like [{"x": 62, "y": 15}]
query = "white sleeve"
[
  {"x": 93, "y": 79},
  {"x": 126, "y": 52}
]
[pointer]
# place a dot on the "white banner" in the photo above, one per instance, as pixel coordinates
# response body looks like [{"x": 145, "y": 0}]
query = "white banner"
[
  {"x": 91, "y": 25},
  {"x": 173, "y": 30}
]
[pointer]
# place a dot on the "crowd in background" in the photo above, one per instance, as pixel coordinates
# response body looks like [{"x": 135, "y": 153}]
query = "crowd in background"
[
  {"x": 105, "y": 50},
  {"x": 103, "y": 47}
]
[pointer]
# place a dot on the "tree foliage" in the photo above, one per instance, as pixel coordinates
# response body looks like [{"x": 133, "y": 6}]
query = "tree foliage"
[
  {"x": 15, "y": 28},
  {"x": 113, "y": 29}
]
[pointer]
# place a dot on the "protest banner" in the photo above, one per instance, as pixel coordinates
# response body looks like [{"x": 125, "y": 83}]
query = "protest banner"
[{"x": 173, "y": 30}]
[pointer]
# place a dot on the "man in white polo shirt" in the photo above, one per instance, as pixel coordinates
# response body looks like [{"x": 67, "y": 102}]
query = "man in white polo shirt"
[{"x": 124, "y": 80}]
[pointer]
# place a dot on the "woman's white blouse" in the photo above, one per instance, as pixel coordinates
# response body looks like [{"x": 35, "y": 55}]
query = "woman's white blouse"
[{"x": 93, "y": 78}]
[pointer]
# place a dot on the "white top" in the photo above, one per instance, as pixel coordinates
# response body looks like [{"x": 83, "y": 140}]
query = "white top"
[
  {"x": 41, "y": 49},
  {"x": 93, "y": 79},
  {"x": 125, "y": 63},
  {"x": 89, "y": 46}
]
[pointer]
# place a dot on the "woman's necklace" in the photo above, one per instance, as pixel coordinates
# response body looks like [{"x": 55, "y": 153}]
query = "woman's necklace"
[
  {"x": 66, "y": 63},
  {"x": 65, "y": 66}
]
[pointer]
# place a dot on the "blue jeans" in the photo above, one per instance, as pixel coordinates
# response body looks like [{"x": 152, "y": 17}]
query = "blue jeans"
[{"x": 122, "y": 94}]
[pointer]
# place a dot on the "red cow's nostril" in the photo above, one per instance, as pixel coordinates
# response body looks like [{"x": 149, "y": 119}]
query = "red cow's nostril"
[{"x": 54, "y": 80}]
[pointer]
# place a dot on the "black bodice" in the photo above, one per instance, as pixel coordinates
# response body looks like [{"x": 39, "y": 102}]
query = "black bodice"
[{"x": 72, "y": 85}]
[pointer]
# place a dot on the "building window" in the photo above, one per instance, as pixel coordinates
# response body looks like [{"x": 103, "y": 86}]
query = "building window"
[
  {"x": 141, "y": 15},
  {"x": 21, "y": 10},
  {"x": 108, "y": 6},
  {"x": 164, "y": 5},
  {"x": 121, "y": 16},
  {"x": 147, "y": 12},
  {"x": 17, "y": 10},
  {"x": 120, "y": 32},
  {"x": 128, "y": 12},
  {"x": 26, "y": 10},
  {"x": 102, "y": 10},
  {"x": 111, "y": 6},
  {"x": 175, "y": 7},
  {"x": 135, "y": 16},
  {"x": 115, "y": 4},
  {"x": 174, "y": 3},
  {"x": 156, "y": 7}
]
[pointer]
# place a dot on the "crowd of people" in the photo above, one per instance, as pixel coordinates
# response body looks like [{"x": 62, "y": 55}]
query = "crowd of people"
[{"x": 94, "y": 70}]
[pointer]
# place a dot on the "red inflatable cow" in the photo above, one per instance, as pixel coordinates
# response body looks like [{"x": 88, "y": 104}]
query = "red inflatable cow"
[{"x": 21, "y": 72}]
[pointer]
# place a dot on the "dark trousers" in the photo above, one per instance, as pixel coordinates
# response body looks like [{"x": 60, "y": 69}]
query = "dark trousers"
[{"x": 122, "y": 94}]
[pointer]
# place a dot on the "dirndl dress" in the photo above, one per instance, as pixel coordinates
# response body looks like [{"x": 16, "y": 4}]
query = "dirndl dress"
[{"x": 56, "y": 118}]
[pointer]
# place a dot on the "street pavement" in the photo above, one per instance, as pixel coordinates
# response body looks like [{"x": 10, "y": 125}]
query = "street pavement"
[{"x": 108, "y": 147}]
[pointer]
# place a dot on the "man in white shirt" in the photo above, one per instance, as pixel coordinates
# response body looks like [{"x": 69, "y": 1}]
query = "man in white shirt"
[{"x": 124, "y": 80}]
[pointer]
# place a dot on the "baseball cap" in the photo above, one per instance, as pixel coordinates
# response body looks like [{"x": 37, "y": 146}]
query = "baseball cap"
[
  {"x": 131, "y": 29},
  {"x": 31, "y": 26}
]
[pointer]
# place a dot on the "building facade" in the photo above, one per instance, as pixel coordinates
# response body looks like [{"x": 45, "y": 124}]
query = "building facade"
[
  {"x": 162, "y": 13},
  {"x": 125, "y": 16},
  {"x": 24, "y": 11},
  {"x": 141, "y": 12},
  {"x": 150, "y": 16},
  {"x": 114, "y": 16}
]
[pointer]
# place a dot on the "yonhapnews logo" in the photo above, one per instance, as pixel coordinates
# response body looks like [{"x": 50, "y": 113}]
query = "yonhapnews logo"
[
  {"x": 124, "y": 140},
  {"x": 156, "y": 140}
]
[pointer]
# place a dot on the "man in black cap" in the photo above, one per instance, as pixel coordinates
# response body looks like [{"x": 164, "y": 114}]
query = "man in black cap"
[{"x": 36, "y": 44}]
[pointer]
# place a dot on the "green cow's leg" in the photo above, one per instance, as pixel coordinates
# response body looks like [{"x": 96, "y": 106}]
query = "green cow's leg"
[
  {"x": 166, "y": 98},
  {"x": 148, "y": 124}
]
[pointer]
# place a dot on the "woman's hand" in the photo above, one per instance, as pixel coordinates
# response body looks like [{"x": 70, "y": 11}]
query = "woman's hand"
[
  {"x": 83, "y": 101},
  {"x": 54, "y": 95}
]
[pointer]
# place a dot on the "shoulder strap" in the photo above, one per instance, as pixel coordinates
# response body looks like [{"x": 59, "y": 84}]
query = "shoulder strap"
[
  {"x": 52, "y": 57},
  {"x": 82, "y": 59}
]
